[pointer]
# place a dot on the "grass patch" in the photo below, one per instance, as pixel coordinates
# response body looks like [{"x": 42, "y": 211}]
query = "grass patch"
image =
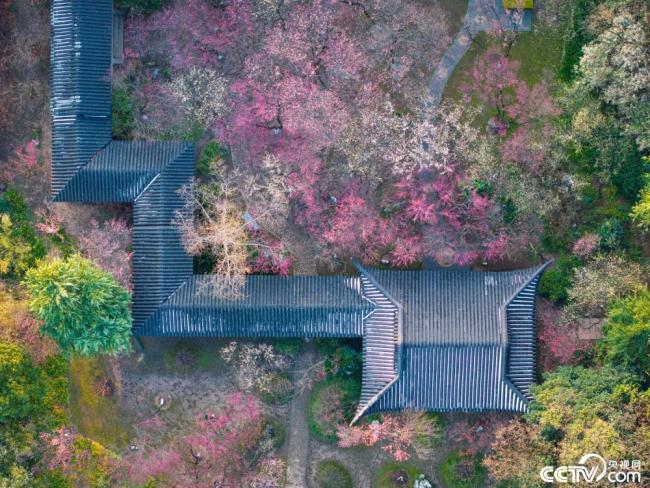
[
  {"x": 539, "y": 52},
  {"x": 462, "y": 471},
  {"x": 392, "y": 474},
  {"x": 332, "y": 474},
  {"x": 184, "y": 357},
  {"x": 95, "y": 416},
  {"x": 332, "y": 403}
]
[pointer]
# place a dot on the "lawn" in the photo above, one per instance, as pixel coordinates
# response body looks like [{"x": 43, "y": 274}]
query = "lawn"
[
  {"x": 539, "y": 53},
  {"x": 97, "y": 415}
]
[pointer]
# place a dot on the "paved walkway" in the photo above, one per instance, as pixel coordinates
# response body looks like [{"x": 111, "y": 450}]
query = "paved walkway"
[
  {"x": 298, "y": 432},
  {"x": 482, "y": 15}
]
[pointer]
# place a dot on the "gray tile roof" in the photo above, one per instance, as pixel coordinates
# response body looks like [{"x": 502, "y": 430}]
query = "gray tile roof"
[
  {"x": 466, "y": 340},
  {"x": 468, "y": 378},
  {"x": 80, "y": 84},
  {"x": 122, "y": 170},
  {"x": 270, "y": 306},
  {"x": 435, "y": 340},
  {"x": 452, "y": 307}
]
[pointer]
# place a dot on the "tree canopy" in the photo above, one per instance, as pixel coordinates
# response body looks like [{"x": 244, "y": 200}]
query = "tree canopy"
[
  {"x": 627, "y": 334},
  {"x": 20, "y": 384},
  {"x": 83, "y": 308}
]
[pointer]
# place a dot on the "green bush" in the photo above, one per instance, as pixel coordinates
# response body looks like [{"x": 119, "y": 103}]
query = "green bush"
[
  {"x": 123, "y": 119},
  {"x": 556, "y": 280},
  {"x": 145, "y": 7},
  {"x": 332, "y": 403},
  {"x": 275, "y": 431},
  {"x": 611, "y": 234},
  {"x": 21, "y": 388},
  {"x": 332, "y": 474},
  {"x": 20, "y": 246},
  {"x": 211, "y": 152},
  {"x": 344, "y": 361},
  {"x": 627, "y": 334},
  {"x": 462, "y": 471},
  {"x": 83, "y": 308},
  {"x": 289, "y": 347}
]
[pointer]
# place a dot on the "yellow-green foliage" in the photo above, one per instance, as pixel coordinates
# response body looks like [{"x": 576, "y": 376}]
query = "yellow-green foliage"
[
  {"x": 517, "y": 4},
  {"x": 15, "y": 251},
  {"x": 589, "y": 409},
  {"x": 641, "y": 211},
  {"x": 95, "y": 416},
  {"x": 82, "y": 307},
  {"x": 91, "y": 463}
]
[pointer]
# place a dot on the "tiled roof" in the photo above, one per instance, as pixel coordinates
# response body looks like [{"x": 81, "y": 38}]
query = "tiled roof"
[
  {"x": 270, "y": 306},
  {"x": 444, "y": 307},
  {"x": 468, "y": 378},
  {"x": 80, "y": 84}
]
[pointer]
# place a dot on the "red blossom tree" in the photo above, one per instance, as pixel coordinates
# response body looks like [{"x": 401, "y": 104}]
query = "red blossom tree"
[
  {"x": 211, "y": 455},
  {"x": 558, "y": 337},
  {"x": 398, "y": 434}
]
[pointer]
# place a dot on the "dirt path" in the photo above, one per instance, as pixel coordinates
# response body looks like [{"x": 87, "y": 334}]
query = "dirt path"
[
  {"x": 482, "y": 15},
  {"x": 298, "y": 431}
]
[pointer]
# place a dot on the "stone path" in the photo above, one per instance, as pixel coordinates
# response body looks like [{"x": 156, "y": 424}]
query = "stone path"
[
  {"x": 482, "y": 15},
  {"x": 298, "y": 431}
]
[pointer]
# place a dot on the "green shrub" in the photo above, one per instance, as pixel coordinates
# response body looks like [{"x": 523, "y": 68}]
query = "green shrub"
[
  {"x": 556, "y": 280},
  {"x": 575, "y": 39},
  {"x": 332, "y": 403},
  {"x": 83, "y": 308},
  {"x": 20, "y": 246},
  {"x": 332, "y": 474},
  {"x": 275, "y": 431},
  {"x": 627, "y": 334},
  {"x": 122, "y": 113},
  {"x": 145, "y": 7},
  {"x": 611, "y": 234},
  {"x": 21, "y": 388},
  {"x": 52, "y": 479},
  {"x": 211, "y": 152},
  {"x": 344, "y": 361},
  {"x": 641, "y": 210},
  {"x": 462, "y": 471},
  {"x": 289, "y": 347}
]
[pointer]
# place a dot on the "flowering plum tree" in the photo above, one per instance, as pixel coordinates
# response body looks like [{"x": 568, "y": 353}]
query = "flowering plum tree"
[
  {"x": 211, "y": 455},
  {"x": 398, "y": 433}
]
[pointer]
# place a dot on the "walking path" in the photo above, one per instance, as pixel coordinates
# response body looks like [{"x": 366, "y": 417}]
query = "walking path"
[
  {"x": 298, "y": 432},
  {"x": 482, "y": 15}
]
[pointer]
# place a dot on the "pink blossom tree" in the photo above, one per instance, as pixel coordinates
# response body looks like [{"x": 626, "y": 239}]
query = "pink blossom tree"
[
  {"x": 558, "y": 337},
  {"x": 211, "y": 455},
  {"x": 397, "y": 433}
]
